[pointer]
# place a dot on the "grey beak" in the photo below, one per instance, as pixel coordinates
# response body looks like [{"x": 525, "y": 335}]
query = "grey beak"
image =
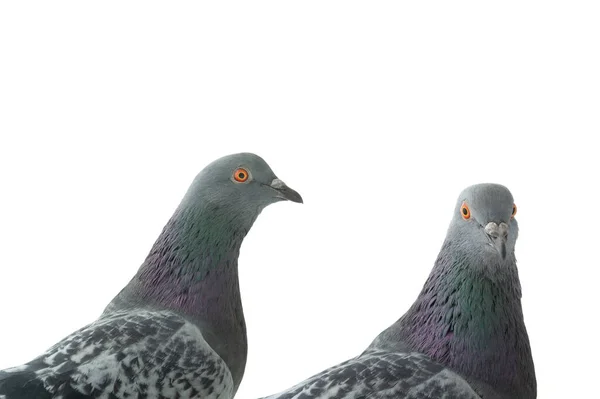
[
  {"x": 284, "y": 192},
  {"x": 498, "y": 233}
]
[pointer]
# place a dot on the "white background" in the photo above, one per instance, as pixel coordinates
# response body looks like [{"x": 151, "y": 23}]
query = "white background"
[{"x": 379, "y": 114}]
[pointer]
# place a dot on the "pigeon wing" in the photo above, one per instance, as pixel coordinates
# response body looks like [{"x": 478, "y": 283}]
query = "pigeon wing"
[
  {"x": 135, "y": 353},
  {"x": 380, "y": 374}
]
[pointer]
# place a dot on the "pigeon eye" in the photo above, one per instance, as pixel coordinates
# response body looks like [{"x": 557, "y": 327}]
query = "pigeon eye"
[
  {"x": 241, "y": 175},
  {"x": 465, "y": 212},
  {"x": 514, "y": 212}
]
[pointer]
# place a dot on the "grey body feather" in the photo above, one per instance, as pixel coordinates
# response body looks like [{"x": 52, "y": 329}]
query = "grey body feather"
[{"x": 177, "y": 330}]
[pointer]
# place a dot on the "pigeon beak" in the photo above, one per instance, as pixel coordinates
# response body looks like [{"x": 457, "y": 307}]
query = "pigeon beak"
[
  {"x": 284, "y": 192},
  {"x": 497, "y": 234}
]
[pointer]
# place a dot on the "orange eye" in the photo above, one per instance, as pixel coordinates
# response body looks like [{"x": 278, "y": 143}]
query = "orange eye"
[
  {"x": 465, "y": 212},
  {"x": 514, "y": 212},
  {"x": 241, "y": 175}
]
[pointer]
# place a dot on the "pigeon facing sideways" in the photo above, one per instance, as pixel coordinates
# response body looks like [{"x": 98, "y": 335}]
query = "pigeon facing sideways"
[
  {"x": 177, "y": 330},
  {"x": 464, "y": 337}
]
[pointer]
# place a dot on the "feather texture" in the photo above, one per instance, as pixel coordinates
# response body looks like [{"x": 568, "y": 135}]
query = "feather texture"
[{"x": 138, "y": 353}]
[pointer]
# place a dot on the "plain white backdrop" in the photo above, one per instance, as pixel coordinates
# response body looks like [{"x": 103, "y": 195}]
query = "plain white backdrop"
[{"x": 378, "y": 113}]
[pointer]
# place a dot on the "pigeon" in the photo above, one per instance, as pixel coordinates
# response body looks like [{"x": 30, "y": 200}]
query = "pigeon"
[
  {"x": 177, "y": 329},
  {"x": 464, "y": 337}
]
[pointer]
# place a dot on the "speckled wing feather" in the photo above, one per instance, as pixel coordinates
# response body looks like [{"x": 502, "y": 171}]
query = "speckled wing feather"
[
  {"x": 380, "y": 374},
  {"x": 128, "y": 354}
]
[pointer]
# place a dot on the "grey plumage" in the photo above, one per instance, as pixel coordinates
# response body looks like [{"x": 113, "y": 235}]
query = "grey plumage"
[
  {"x": 464, "y": 337},
  {"x": 177, "y": 330},
  {"x": 383, "y": 374},
  {"x": 125, "y": 353}
]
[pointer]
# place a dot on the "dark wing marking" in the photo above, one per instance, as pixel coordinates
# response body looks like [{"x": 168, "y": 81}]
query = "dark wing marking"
[
  {"x": 378, "y": 374},
  {"x": 129, "y": 354}
]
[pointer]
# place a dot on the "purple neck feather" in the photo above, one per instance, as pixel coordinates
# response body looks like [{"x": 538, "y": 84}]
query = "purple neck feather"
[
  {"x": 192, "y": 269},
  {"x": 472, "y": 323}
]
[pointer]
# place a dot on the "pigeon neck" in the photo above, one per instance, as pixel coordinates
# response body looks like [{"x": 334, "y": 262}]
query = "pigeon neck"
[
  {"x": 192, "y": 269},
  {"x": 472, "y": 323}
]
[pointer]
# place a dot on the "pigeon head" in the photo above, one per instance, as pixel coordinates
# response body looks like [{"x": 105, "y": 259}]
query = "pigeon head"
[
  {"x": 484, "y": 222},
  {"x": 242, "y": 183}
]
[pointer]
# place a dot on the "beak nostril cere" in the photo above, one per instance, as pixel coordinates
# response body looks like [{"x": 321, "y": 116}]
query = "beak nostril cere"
[
  {"x": 492, "y": 229},
  {"x": 503, "y": 229},
  {"x": 496, "y": 230}
]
